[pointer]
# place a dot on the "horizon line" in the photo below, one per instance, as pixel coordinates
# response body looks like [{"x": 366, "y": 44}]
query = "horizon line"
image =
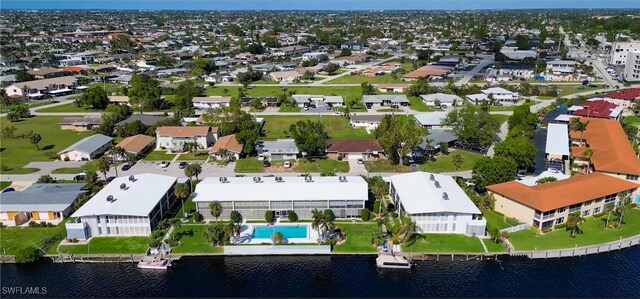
[{"x": 326, "y": 10}]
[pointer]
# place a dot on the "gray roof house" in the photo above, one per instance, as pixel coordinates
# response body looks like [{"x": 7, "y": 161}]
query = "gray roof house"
[
  {"x": 87, "y": 148},
  {"x": 303, "y": 100},
  {"x": 430, "y": 119},
  {"x": 385, "y": 99},
  {"x": 40, "y": 202},
  {"x": 433, "y": 139},
  {"x": 281, "y": 149},
  {"x": 146, "y": 119},
  {"x": 448, "y": 99}
]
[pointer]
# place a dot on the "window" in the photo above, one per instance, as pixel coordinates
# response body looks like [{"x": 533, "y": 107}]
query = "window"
[
  {"x": 610, "y": 198},
  {"x": 561, "y": 210},
  {"x": 587, "y": 203},
  {"x": 632, "y": 177},
  {"x": 586, "y": 213},
  {"x": 596, "y": 210},
  {"x": 559, "y": 220}
]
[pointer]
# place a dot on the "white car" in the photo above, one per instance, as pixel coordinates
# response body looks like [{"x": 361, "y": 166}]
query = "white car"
[
  {"x": 287, "y": 164},
  {"x": 165, "y": 164},
  {"x": 337, "y": 113}
]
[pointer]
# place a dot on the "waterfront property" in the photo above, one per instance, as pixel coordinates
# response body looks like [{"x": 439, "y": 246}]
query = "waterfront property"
[
  {"x": 436, "y": 203},
  {"x": 40, "y": 202},
  {"x": 253, "y": 196},
  {"x": 546, "y": 205},
  {"x": 175, "y": 137},
  {"x": 128, "y": 206},
  {"x": 557, "y": 147},
  {"x": 87, "y": 148},
  {"x": 298, "y": 233}
]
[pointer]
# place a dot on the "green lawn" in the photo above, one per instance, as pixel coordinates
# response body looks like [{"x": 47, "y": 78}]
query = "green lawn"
[
  {"x": 160, "y": 155},
  {"x": 337, "y": 127},
  {"x": 249, "y": 165},
  {"x": 358, "y": 237},
  {"x": 16, "y": 153},
  {"x": 493, "y": 247},
  {"x": 443, "y": 243},
  {"x": 109, "y": 245},
  {"x": 192, "y": 240},
  {"x": 199, "y": 155},
  {"x": 497, "y": 220},
  {"x": 635, "y": 120},
  {"x": 91, "y": 166},
  {"x": 70, "y": 107},
  {"x": 322, "y": 165},
  {"x": 445, "y": 163},
  {"x": 565, "y": 90},
  {"x": 417, "y": 104},
  {"x": 501, "y": 118},
  {"x": 12, "y": 239},
  {"x": 289, "y": 109},
  {"x": 384, "y": 165},
  {"x": 593, "y": 233},
  {"x": 5, "y": 184},
  {"x": 110, "y": 88},
  {"x": 358, "y": 79},
  {"x": 344, "y": 91}
]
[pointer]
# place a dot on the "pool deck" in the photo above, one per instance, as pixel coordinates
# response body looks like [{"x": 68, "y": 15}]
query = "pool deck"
[{"x": 246, "y": 235}]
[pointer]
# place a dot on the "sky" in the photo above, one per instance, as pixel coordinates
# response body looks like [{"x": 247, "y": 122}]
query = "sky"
[{"x": 313, "y": 4}]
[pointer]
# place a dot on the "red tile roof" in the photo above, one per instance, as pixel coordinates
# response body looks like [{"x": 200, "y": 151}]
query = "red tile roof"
[
  {"x": 599, "y": 109},
  {"x": 628, "y": 94},
  {"x": 353, "y": 146}
]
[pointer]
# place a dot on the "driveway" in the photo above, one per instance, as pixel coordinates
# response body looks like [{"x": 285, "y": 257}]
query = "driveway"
[
  {"x": 355, "y": 168},
  {"x": 540, "y": 141}
]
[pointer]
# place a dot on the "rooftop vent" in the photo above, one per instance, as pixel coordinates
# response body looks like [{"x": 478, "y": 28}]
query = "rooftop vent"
[
  {"x": 445, "y": 196},
  {"x": 223, "y": 179},
  {"x": 342, "y": 179},
  {"x": 132, "y": 178},
  {"x": 437, "y": 184},
  {"x": 257, "y": 179},
  {"x": 279, "y": 179},
  {"x": 110, "y": 198},
  {"x": 432, "y": 177},
  {"x": 308, "y": 179},
  {"x": 123, "y": 186}
]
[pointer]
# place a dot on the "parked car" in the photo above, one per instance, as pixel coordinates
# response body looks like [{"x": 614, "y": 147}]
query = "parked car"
[
  {"x": 337, "y": 113},
  {"x": 8, "y": 189},
  {"x": 79, "y": 177},
  {"x": 360, "y": 161},
  {"x": 328, "y": 108},
  {"x": 127, "y": 166},
  {"x": 266, "y": 163},
  {"x": 287, "y": 164},
  {"x": 182, "y": 165},
  {"x": 306, "y": 108},
  {"x": 111, "y": 178},
  {"x": 165, "y": 164}
]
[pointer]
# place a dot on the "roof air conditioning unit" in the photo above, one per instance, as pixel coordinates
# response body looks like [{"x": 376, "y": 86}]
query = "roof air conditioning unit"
[
  {"x": 123, "y": 186},
  {"x": 132, "y": 178},
  {"x": 222, "y": 179},
  {"x": 432, "y": 177},
  {"x": 437, "y": 184},
  {"x": 445, "y": 196},
  {"x": 257, "y": 179},
  {"x": 308, "y": 179},
  {"x": 110, "y": 198}
]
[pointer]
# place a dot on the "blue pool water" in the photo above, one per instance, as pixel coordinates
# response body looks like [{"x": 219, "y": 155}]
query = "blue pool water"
[{"x": 288, "y": 231}]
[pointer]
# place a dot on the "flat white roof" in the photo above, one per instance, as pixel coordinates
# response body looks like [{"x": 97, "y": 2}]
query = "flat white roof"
[
  {"x": 291, "y": 189},
  {"x": 564, "y": 117},
  {"x": 557, "y": 139},
  {"x": 430, "y": 118},
  {"x": 137, "y": 199},
  {"x": 419, "y": 194}
]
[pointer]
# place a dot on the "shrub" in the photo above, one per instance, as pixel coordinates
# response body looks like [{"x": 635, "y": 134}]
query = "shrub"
[
  {"x": 43, "y": 224},
  {"x": 278, "y": 238},
  {"x": 153, "y": 243},
  {"x": 236, "y": 217},
  {"x": 376, "y": 206},
  {"x": 365, "y": 215},
  {"x": 51, "y": 155},
  {"x": 546, "y": 230},
  {"x": 394, "y": 214},
  {"x": 33, "y": 224},
  {"x": 559, "y": 226},
  {"x": 269, "y": 216},
  {"x": 157, "y": 233},
  {"x": 196, "y": 217},
  {"x": 535, "y": 229},
  {"x": 292, "y": 216},
  {"x": 27, "y": 254}
]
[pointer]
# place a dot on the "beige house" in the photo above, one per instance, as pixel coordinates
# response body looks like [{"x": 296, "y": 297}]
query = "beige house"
[{"x": 87, "y": 148}]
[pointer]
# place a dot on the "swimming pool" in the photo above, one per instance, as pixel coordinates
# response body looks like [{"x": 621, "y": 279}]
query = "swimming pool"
[{"x": 288, "y": 231}]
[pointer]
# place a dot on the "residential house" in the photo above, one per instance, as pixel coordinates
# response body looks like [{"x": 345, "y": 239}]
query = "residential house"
[
  {"x": 514, "y": 53},
  {"x": 597, "y": 108},
  {"x": 561, "y": 66},
  {"x": 306, "y": 100},
  {"x": 431, "y": 143},
  {"x": 444, "y": 99},
  {"x": 39, "y": 88},
  {"x": 281, "y": 149},
  {"x": 127, "y": 206},
  {"x": 353, "y": 46},
  {"x": 47, "y": 72},
  {"x": 546, "y": 205},
  {"x": 401, "y": 88},
  {"x": 369, "y": 122},
  {"x": 80, "y": 124},
  {"x": 430, "y": 120},
  {"x": 385, "y": 100},
  {"x": 428, "y": 71},
  {"x": 174, "y": 137},
  {"x": 290, "y": 50},
  {"x": 146, "y": 119},
  {"x": 211, "y": 102},
  {"x": 436, "y": 203},
  {"x": 498, "y": 94},
  {"x": 352, "y": 149},
  {"x": 226, "y": 148},
  {"x": 40, "y": 203},
  {"x": 623, "y": 98},
  {"x": 253, "y": 196},
  {"x": 266, "y": 101},
  {"x": 87, "y": 148},
  {"x": 285, "y": 76},
  {"x": 137, "y": 145}
]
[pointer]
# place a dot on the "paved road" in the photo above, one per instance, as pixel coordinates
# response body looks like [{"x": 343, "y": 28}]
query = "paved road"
[{"x": 487, "y": 60}]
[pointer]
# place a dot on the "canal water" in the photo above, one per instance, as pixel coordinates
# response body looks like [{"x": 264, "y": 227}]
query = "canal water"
[{"x": 614, "y": 274}]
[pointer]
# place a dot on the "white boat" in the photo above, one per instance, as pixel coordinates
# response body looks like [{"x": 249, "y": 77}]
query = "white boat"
[
  {"x": 149, "y": 262},
  {"x": 387, "y": 261}
]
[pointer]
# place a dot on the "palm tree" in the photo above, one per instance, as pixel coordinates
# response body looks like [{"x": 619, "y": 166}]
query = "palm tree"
[
  {"x": 403, "y": 229},
  {"x": 317, "y": 221},
  {"x": 457, "y": 162},
  {"x": 588, "y": 153},
  {"x": 192, "y": 170},
  {"x": 182, "y": 191},
  {"x": 573, "y": 222},
  {"x": 623, "y": 206},
  {"x": 577, "y": 125},
  {"x": 117, "y": 153},
  {"x": 191, "y": 147},
  {"x": 103, "y": 166},
  {"x": 222, "y": 153},
  {"x": 216, "y": 209}
]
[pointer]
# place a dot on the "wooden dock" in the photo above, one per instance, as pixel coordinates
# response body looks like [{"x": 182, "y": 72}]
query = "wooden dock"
[{"x": 99, "y": 258}]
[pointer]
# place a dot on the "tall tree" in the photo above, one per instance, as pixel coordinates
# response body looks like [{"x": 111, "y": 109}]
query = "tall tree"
[
  {"x": 96, "y": 97},
  {"x": 184, "y": 95},
  {"x": 578, "y": 126},
  {"x": 310, "y": 137},
  {"x": 573, "y": 223},
  {"x": 489, "y": 171},
  {"x": 398, "y": 137},
  {"x": 367, "y": 88},
  {"x": 457, "y": 162},
  {"x": 35, "y": 139},
  {"x": 103, "y": 167},
  {"x": 472, "y": 126},
  {"x": 216, "y": 209},
  {"x": 521, "y": 150},
  {"x": 145, "y": 93},
  {"x": 182, "y": 191}
]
